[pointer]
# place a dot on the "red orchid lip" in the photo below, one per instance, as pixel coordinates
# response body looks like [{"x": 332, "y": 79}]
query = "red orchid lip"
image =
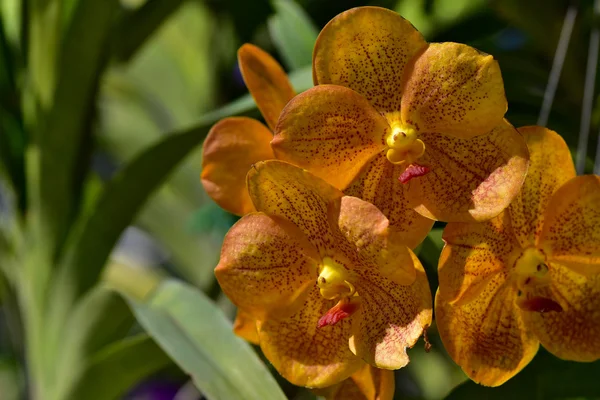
[
  {"x": 343, "y": 309},
  {"x": 413, "y": 171},
  {"x": 540, "y": 304}
]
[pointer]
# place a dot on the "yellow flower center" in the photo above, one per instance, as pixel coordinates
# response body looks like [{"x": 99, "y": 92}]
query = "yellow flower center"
[
  {"x": 531, "y": 269},
  {"x": 403, "y": 144},
  {"x": 531, "y": 273},
  {"x": 333, "y": 280}
]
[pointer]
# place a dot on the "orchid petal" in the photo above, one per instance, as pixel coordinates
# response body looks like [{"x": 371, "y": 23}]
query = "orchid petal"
[
  {"x": 367, "y": 49},
  {"x": 230, "y": 149},
  {"x": 454, "y": 89},
  {"x": 267, "y": 82},
  {"x": 331, "y": 131}
]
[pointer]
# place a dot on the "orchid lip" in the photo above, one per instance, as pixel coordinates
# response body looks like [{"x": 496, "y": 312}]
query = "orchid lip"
[
  {"x": 531, "y": 272},
  {"x": 531, "y": 269}
]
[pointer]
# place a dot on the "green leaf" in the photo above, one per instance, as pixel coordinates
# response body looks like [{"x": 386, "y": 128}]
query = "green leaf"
[
  {"x": 194, "y": 255},
  {"x": 135, "y": 27},
  {"x": 115, "y": 370},
  {"x": 62, "y": 133},
  {"x": 293, "y": 33},
  {"x": 121, "y": 200},
  {"x": 11, "y": 381},
  {"x": 196, "y": 334},
  {"x": 125, "y": 194},
  {"x": 547, "y": 377},
  {"x": 99, "y": 319}
]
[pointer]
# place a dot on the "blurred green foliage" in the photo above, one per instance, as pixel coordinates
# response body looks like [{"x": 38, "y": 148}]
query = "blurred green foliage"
[{"x": 103, "y": 108}]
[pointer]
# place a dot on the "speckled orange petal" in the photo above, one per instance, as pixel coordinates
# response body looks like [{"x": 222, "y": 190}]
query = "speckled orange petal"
[
  {"x": 245, "y": 326},
  {"x": 330, "y": 130},
  {"x": 571, "y": 231},
  {"x": 469, "y": 179},
  {"x": 454, "y": 89},
  {"x": 230, "y": 149},
  {"x": 367, "y": 49},
  {"x": 368, "y": 383},
  {"x": 266, "y": 266},
  {"x": 284, "y": 190},
  {"x": 378, "y": 184},
  {"x": 473, "y": 254},
  {"x": 550, "y": 166},
  {"x": 391, "y": 318},
  {"x": 487, "y": 336},
  {"x": 367, "y": 229},
  {"x": 304, "y": 354},
  {"x": 374, "y": 383},
  {"x": 574, "y": 333},
  {"x": 266, "y": 81}
]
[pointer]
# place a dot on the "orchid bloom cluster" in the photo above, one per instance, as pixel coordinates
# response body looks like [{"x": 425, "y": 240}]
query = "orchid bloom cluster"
[{"x": 349, "y": 177}]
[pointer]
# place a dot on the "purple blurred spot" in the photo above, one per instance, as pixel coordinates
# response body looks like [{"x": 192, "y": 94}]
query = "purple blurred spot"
[
  {"x": 237, "y": 76},
  {"x": 155, "y": 390}
]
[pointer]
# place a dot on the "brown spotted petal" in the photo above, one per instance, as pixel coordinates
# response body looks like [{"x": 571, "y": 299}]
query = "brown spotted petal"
[
  {"x": 392, "y": 316},
  {"x": 368, "y": 383},
  {"x": 454, "y": 89},
  {"x": 469, "y": 179},
  {"x": 332, "y": 131},
  {"x": 573, "y": 333},
  {"x": 550, "y": 166},
  {"x": 286, "y": 191},
  {"x": 307, "y": 355},
  {"x": 378, "y": 184},
  {"x": 381, "y": 249},
  {"x": 367, "y": 49},
  {"x": 474, "y": 253},
  {"x": 267, "y": 266},
  {"x": 571, "y": 232},
  {"x": 487, "y": 336}
]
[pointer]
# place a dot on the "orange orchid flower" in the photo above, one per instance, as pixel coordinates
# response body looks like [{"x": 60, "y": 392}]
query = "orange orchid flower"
[
  {"x": 326, "y": 280},
  {"x": 234, "y": 144},
  {"x": 368, "y": 383},
  {"x": 529, "y": 276},
  {"x": 403, "y": 123}
]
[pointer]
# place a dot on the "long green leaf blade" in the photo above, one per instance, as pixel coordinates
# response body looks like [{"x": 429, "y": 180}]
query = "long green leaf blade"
[
  {"x": 196, "y": 334},
  {"x": 123, "y": 197},
  {"x": 62, "y": 132},
  {"x": 293, "y": 33},
  {"x": 127, "y": 192},
  {"x": 101, "y": 318},
  {"x": 116, "y": 369}
]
